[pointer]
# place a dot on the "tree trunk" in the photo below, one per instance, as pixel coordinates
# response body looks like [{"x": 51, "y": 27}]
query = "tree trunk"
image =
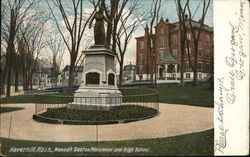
[
  {"x": 196, "y": 43},
  {"x": 16, "y": 81},
  {"x": 182, "y": 59},
  {"x": 114, "y": 37},
  {"x": 71, "y": 79},
  {"x": 25, "y": 85},
  {"x": 9, "y": 71},
  {"x": 30, "y": 82},
  {"x": 2, "y": 76},
  {"x": 121, "y": 72}
]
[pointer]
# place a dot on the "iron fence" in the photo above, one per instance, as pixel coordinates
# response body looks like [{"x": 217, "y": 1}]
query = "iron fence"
[{"x": 140, "y": 97}]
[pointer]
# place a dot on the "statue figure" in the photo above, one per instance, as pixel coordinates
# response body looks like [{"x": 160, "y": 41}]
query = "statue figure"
[{"x": 99, "y": 31}]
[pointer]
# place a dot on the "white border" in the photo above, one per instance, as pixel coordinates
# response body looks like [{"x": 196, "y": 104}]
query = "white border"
[{"x": 231, "y": 90}]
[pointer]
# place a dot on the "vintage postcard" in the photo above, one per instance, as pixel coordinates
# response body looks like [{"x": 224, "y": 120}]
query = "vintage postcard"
[{"x": 124, "y": 78}]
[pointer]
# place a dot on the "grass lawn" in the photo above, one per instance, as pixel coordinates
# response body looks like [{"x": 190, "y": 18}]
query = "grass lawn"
[
  {"x": 10, "y": 109},
  {"x": 188, "y": 95},
  {"x": 195, "y": 144}
]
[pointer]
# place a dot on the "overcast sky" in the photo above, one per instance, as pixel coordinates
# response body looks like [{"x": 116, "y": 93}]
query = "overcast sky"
[{"x": 168, "y": 10}]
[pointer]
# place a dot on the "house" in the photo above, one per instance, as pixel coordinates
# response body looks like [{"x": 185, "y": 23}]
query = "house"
[
  {"x": 63, "y": 78},
  {"x": 129, "y": 73},
  {"x": 167, "y": 49},
  {"x": 42, "y": 78}
]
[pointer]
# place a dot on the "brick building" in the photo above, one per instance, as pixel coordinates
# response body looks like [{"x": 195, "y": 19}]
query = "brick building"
[{"x": 167, "y": 51}]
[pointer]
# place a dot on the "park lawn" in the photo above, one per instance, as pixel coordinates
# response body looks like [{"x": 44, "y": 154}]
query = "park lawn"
[
  {"x": 194, "y": 144},
  {"x": 187, "y": 95},
  {"x": 10, "y": 109},
  {"x": 29, "y": 98}
]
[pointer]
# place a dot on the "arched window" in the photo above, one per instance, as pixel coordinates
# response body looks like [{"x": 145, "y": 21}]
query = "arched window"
[
  {"x": 92, "y": 78},
  {"x": 111, "y": 79}
]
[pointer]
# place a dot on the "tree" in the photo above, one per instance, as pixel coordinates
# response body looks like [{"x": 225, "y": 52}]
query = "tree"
[
  {"x": 150, "y": 41},
  {"x": 15, "y": 14},
  {"x": 126, "y": 30},
  {"x": 31, "y": 44},
  {"x": 181, "y": 12},
  {"x": 56, "y": 46},
  {"x": 196, "y": 33},
  {"x": 186, "y": 24},
  {"x": 75, "y": 24}
]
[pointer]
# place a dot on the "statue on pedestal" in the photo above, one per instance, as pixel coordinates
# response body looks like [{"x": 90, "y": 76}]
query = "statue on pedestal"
[{"x": 99, "y": 31}]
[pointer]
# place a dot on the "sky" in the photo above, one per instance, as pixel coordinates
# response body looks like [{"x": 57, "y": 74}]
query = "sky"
[{"x": 168, "y": 10}]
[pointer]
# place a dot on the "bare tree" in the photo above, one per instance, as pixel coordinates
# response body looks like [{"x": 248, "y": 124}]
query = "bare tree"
[
  {"x": 75, "y": 23},
  {"x": 126, "y": 30},
  {"x": 57, "y": 48},
  {"x": 196, "y": 33},
  {"x": 153, "y": 20},
  {"x": 31, "y": 44},
  {"x": 113, "y": 14},
  {"x": 15, "y": 14},
  {"x": 181, "y": 12},
  {"x": 186, "y": 24}
]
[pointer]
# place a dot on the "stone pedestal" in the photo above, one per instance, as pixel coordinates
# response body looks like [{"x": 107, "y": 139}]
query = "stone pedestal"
[{"x": 98, "y": 89}]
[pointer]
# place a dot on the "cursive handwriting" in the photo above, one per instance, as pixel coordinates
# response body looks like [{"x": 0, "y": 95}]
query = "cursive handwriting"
[
  {"x": 220, "y": 143},
  {"x": 235, "y": 60}
]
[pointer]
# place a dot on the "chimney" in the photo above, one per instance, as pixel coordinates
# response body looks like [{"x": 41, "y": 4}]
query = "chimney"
[
  {"x": 161, "y": 19},
  {"x": 146, "y": 29}
]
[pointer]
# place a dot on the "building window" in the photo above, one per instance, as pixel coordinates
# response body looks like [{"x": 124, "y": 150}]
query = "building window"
[
  {"x": 199, "y": 66},
  {"x": 162, "y": 42},
  {"x": 162, "y": 31},
  {"x": 162, "y": 54},
  {"x": 175, "y": 53},
  {"x": 200, "y": 38},
  {"x": 188, "y": 75},
  {"x": 141, "y": 45},
  {"x": 141, "y": 57},
  {"x": 199, "y": 52},
  {"x": 208, "y": 67},
  {"x": 174, "y": 40},
  {"x": 200, "y": 76},
  {"x": 188, "y": 67},
  {"x": 208, "y": 53},
  {"x": 141, "y": 68},
  {"x": 190, "y": 52},
  {"x": 208, "y": 40},
  {"x": 189, "y": 36}
]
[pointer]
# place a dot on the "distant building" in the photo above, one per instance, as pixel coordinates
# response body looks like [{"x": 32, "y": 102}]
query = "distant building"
[
  {"x": 63, "y": 78},
  {"x": 168, "y": 52},
  {"x": 129, "y": 73},
  {"x": 42, "y": 77}
]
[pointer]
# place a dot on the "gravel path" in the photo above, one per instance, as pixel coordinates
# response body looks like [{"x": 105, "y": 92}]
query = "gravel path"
[{"x": 172, "y": 120}]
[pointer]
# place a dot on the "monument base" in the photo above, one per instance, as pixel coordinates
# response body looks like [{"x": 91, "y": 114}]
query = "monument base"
[{"x": 96, "y": 98}]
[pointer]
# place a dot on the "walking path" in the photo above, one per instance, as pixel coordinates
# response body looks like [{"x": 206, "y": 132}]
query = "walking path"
[{"x": 173, "y": 120}]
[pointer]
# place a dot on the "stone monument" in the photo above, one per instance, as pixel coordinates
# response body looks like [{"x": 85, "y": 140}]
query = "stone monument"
[{"x": 98, "y": 89}]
